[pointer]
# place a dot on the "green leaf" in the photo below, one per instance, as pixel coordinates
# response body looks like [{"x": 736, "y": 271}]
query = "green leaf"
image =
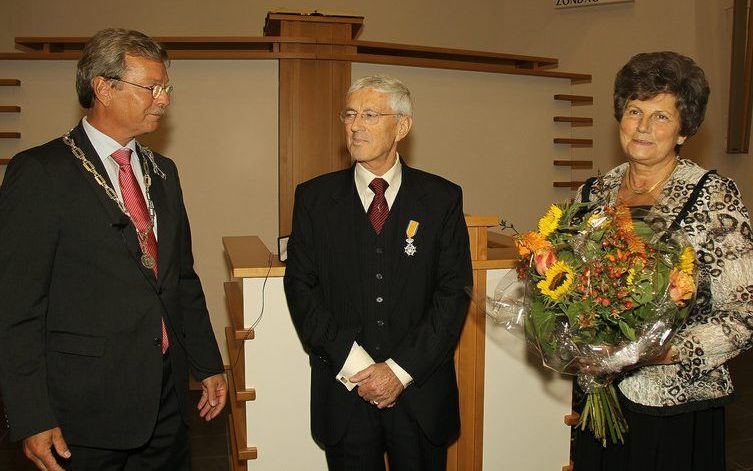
[
  {"x": 627, "y": 331},
  {"x": 573, "y": 310},
  {"x": 643, "y": 230}
]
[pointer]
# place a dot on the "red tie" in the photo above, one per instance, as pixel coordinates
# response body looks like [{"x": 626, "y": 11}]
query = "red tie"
[
  {"x": 378, "y": 210},
  {"x": 134, "y": 202}
]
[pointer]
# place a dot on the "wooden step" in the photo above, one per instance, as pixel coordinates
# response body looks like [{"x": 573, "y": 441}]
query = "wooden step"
[
  {"x": 10, "y": 83},
  {"x": 234, "y": 297},
  {"x": 10, "y": 109},
  {"x": 579, "y": 164},
  {"x": 571, "y": 185},
  {"x": 240, "y": 451},
  {"x": 239, "y": 394},
  {"x": 574, "y": 120},
  {"x": 574, "y": 142},
  {"x": 575, "y": 99},
  {"x": 10, "y": 135},
  {"x": 237, "y": 356}
]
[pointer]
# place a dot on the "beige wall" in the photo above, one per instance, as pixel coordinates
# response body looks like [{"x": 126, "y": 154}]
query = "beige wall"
[{"x": 491, "y": 133}]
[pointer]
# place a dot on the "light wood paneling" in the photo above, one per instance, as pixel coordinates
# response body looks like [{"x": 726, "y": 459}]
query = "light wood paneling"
[
  {"x": 312, "y": 93},
  {"x": 248, "y": 257}
]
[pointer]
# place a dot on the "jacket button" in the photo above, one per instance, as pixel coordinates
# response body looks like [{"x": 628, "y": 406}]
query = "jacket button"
[
  {"x": 379, "y": 276},
  {"x": 379, "y": 250},
  {"x": 157, "y": 341},
  {"x": 380, "y": 323},
  {"x": 379, "y": 299}
]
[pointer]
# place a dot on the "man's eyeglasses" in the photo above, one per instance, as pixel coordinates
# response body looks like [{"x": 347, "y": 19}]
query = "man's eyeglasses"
[
  {"x": 155, "y": 89},
  {"x": 369, "y": 117}
]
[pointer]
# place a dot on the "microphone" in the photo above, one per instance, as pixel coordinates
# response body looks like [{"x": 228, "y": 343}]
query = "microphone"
[{"x": 121, "y": 223}]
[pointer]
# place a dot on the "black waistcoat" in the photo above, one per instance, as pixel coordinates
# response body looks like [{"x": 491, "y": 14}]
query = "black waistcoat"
[{"x": 376, "y": 264}]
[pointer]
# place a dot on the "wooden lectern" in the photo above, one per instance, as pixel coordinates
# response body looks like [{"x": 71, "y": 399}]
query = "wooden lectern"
[{"x": 251, "y": 262}]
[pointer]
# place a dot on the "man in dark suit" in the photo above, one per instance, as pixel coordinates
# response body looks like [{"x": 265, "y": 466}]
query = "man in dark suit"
[
  {"x": 101, "y": 312},
  {"x": 378, "y": 264}
]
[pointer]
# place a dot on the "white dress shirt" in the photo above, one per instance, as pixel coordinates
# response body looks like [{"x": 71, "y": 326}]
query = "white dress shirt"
[
  {"x": 358, "y": 359},
  {"x": 105, "y": 146}
]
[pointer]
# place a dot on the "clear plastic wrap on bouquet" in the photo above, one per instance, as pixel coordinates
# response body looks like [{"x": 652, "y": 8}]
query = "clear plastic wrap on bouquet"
[{"x": 600, "y": 292}]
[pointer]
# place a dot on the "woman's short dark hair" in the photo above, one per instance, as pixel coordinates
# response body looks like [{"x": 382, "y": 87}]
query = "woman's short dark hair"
[
  {"x": 104, "y": 55},
  {"x": 649, "y": 74}
]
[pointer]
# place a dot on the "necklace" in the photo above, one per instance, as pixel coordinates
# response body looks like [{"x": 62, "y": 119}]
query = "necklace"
[
  {"x": 146, "y": 260},
  {"x": 654, "y": 186}
]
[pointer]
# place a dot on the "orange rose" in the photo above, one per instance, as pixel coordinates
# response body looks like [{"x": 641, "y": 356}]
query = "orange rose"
[
  {"x": 544, "y": 259},
  {"x": 681, "y": 286}
]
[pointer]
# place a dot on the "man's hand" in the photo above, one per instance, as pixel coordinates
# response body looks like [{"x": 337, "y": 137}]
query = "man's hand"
[
  {"x": 38, "y": 448},
  {"x": 213, "y": 397},
  {"x": 378, "y": 385}
]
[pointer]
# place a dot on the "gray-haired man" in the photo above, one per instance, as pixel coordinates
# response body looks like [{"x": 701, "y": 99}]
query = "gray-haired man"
[{"x": 378, "y": 263}]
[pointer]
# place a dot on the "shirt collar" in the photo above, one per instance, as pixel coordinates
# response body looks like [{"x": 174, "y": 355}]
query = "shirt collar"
[
  {"x": 391, "y": 176},
  {"x": 104, "y": 144}
]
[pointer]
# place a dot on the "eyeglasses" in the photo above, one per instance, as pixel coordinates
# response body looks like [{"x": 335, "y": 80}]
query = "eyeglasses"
[
  {"x": 369, "y": 117},
  {"x": 155, "y": 89}
]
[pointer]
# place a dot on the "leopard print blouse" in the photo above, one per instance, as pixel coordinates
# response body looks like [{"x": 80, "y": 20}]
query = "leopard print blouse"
[{"x": 720, "y": 325}]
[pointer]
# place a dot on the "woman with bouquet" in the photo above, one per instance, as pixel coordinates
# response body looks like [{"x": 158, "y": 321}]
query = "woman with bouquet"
[{"x": 674, "y": 403}]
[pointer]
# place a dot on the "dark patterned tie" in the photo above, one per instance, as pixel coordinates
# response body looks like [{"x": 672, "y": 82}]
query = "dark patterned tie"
[
  {"x": 378, "y": 210},
  {"x": 133, "y": 199}
]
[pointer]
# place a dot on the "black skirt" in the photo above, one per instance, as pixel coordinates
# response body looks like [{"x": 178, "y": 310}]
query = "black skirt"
[{"x": 690, "y": 441}]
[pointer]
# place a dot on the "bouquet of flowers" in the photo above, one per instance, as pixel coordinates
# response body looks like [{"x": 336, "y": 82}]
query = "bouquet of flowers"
[{"x": 602, "y": 293}]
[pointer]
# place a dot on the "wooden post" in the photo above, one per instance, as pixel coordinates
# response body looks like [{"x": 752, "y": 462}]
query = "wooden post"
[
  {"x": 312, "y": 93},
  {"x": 467, "y": 453}
]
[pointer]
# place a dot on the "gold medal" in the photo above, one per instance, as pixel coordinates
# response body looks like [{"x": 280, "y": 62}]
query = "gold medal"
[
  {"x": 148, "y": 261},
  {"x": 411, "y": 231}
]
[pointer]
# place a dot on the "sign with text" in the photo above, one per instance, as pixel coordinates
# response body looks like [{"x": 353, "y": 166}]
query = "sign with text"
[{"x": 586, "y": 3}]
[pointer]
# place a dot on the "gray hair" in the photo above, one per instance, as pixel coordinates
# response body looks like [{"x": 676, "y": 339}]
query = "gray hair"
[
  {"x": 104, "y": 55},
  {"x": 400, "y": 99}
]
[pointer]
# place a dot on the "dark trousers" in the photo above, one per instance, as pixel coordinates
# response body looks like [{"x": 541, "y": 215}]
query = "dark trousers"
[
  {"x": 167, "y": 449},
  {"x": 691, "y": 441},
  {"x": 372, "y": 432}
]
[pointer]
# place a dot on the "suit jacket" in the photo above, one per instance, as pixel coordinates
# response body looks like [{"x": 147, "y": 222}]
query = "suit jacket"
[
  {"x": 80, "y": 316},
  {"x": 325, "y": 290}
]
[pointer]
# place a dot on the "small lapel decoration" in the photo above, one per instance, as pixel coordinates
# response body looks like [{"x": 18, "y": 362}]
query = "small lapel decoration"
[{"x": 410, "y": 231}]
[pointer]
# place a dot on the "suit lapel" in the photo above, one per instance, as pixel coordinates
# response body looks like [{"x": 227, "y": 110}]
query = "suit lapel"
[
  {"x": 409, "y": 205},
  {"x": 117, "y": 219},
  {"x": 345, "y": 232}
]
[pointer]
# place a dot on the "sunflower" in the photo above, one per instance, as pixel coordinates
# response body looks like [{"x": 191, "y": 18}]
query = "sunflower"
[
  {"x": 531, "y": 242},
  {"x": 550, "y": 221},
  {"x": 559, "y": 279},
  {"x": 687, "y": 260}
]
